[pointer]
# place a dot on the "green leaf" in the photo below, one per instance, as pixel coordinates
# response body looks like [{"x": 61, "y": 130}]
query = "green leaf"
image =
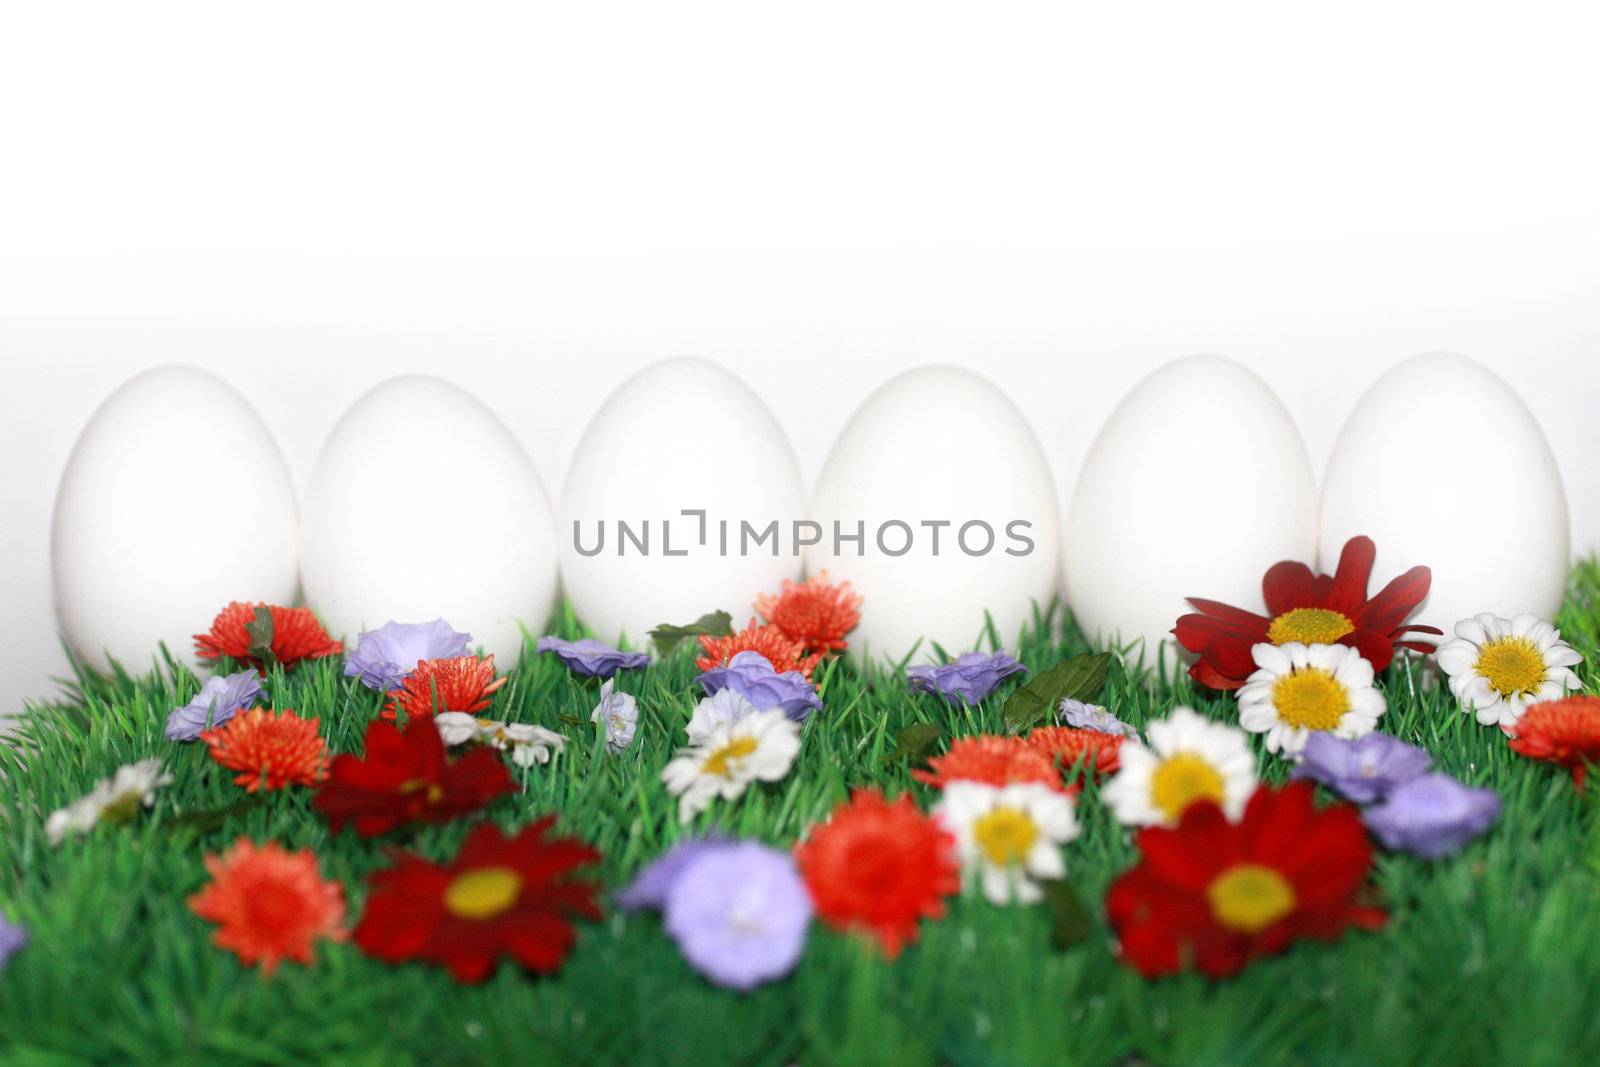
[
  {"x": 914, "y": 742},
  {"x": 667, "y": 636},
  {"x": 1078, "y": 678},
  {"x": 260, "y": 631},
  {"x": 1071, "y": 924},
  {"x": 210, "y": 820}
]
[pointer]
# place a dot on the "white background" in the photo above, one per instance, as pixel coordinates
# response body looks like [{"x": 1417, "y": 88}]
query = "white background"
[{"x": 537, "y": 203}]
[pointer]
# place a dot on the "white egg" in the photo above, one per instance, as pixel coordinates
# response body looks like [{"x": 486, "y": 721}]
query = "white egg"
[
  {"x": 1441, "y": 464},
  {"x": 1197, "y": 483},
  {"x": 680, "y": 500},
  {"x": 945, "y": 483},
  {"x": 175, "y": 501},
  {"x": 421, "y": 505}
]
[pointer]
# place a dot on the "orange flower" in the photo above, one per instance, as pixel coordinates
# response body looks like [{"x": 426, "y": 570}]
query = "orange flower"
[
  {"x": 269, "y": 751},
  {"x": 782, "y": 652},
  {"x": 1093, "y": 751},
  {"x": 269, "y": 904},
  {"x": 1564, "y": 732},
  {"x": 296, "y": 635},
  {"x": 991, "y": 759},
  {"x": 814, "y": 613},
  {"x": 464, "y": 684}
]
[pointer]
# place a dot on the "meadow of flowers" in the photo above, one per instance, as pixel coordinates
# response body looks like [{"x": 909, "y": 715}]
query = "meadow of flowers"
[{"x": 1340, "y": 838}]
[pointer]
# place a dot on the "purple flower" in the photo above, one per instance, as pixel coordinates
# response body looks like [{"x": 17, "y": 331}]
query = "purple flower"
[
  {"x": 750, "y": 674},
  {"x": 620, "y": 712},
  {"x": 591, "y": 658},
  {"x": 968, "y": 680},
  {"x": 650, "y": 887},
  {"x": 1432, "y": 816},
  {"x": 12, "y": 938},
  {"x": 1362, "y": 770},
  {"x": 384, "y": 657},
  {"x": 1093, "y": 717},
  {"x": 215, "y": 704},
  {"x": 739, "y": 915}
]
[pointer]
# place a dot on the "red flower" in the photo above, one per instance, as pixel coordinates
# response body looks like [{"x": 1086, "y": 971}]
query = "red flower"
[
  {"x": 992, "y": 759},
  {"x": 1218, "y": 894},
  {"x": 781, "y": 651},
  {"x": 269, "y": 751},
  {"x": 269, "y": 904},
  {"x": 462, "y": 684},
  {"x": 295, "y": 635},
  {"x": 500, "y": 896},
  {"x": 405, "y": 778},
  {"x": 814, "y": 613},
  {"x": 1311, "y": 609},
  {"x": 1565, "y": 732},
  {"x": 1095, "y": 751},
  {"x": 879, "y": 867}
]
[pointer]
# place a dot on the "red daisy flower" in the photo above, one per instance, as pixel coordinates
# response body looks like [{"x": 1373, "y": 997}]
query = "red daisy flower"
[
  {"x": 270, "y": 751},
  {"x": 405, "y": 777},
  {"x": 992, "y": 759},
  {"x": 784, "y": 653},
  {"x": 1094, "y": 751},
  {"x": 814, "y": 613},
  {"x": 463, "y": 684},
  {"x": 296, "y": 635},
  {"x": 500, "y": 896},
  {"x": 1218, "y": 894},
  {"x": 1311, "y": 609},
  {"x": 879, "y": 867},
  {"x": 269, "y": 904},
  {"x": 1565, "y": 732}
]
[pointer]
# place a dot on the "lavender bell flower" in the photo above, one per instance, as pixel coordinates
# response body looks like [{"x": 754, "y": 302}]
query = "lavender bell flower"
[
  {"x": 751, "y": 675},
  {"x": 968, "y": 680},
  {"x": 651, "y": 885},
  {"x": 740, "y": 915},
  {"x": 1363, "y": 770},
  {"x": 1083, "y": 716},
  {"x": 1432, "y": 816},
  {"x": 12, "y": 938},
  {"x": 217, "y": 702},
  {"x": 620, "y": 712},
  {"x": 590, "y": 658},
  {"x": 383, "y": 658}
]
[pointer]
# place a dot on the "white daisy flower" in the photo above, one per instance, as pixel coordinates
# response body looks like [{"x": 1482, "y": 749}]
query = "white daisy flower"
[
  {"x": 1009, "y": 837},
  {"x": 1187, "y": 758},
  {"x": 725, "y": 705},
  {"x": 1497, "y": 667},
  {"x": 1301, "y": 689},
  {"x": 114, "y": 800},
  {"x": 620, "y": 712},
  {"x": 457, "y": 727},
  {"x": 528, "y": 744},
  {"x": 759, "y": 747}
]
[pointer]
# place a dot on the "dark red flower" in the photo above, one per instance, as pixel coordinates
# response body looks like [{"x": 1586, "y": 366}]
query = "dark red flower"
[
  {"x": 991, "y": 759},
  {"x": 500, "y": 896},
  {"x": 815, "y": 612},
  {"x": 1215, "y": 894},
  {"x": 294, "y": 634},
  {"x": 405, "y": 777},
  {"x": 1309, "y": 608},
  {"x": 463, "y": 684},
  {"x": 1565, "y": 732},
  {"x": 783, "y": 652}
]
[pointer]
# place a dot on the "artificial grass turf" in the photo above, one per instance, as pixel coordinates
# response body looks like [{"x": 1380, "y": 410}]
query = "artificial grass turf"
[{"x": 1492, "y": 956}]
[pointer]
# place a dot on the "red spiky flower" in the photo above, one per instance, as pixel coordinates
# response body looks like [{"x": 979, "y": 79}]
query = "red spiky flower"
[
  {"x": 784, "y": 653},
  {"x": 1565, "y": 732},
  {"x": 500, "y": 896},
  {"x": 292, "y": 634},
  {"x": 464, "y": 684},
  {"x": 270, "y": 751},
  {"x": 1309, "y": 608},
  {"x": 1093, "y": 752},
  {"x": 991, "y": 759},
  {"x": 815, "y": 613},
  {"x": 880, "y": 868},
  {"x": 269, "y": 904}
]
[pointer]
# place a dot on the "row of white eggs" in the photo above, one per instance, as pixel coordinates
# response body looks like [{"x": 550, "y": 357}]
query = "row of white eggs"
[{"x": 422, "y": 504}]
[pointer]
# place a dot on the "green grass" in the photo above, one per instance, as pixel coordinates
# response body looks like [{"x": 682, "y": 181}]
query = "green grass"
[{"x": 1492, "y": 956}]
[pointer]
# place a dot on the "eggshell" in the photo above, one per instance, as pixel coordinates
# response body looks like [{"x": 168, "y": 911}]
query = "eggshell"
[
  {"x": 938, "y": 444},
  {"x": 683, "y": 434},
  {"x": 1442, "y": 464},
  {"x": 175, "y": 501},
  {"x": 421, "y": 505},
  {"x": 1197, "y": 483}
]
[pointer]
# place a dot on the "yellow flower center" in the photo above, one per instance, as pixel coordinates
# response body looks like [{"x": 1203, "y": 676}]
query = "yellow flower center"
[
  {"x": 738, "y": 748},
  {"x": 1249, "y": 897},
  {"x": 435, "y": 792},
  {"x": 483, "y": 893},
  {"x": 1310, "y": 698},
  {"x": 1006, "y": 836},
  {"x": 1310, "y": 626},
  {"x": 1511, "y": 665},
  {"x": 1182, "y": 779}
]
